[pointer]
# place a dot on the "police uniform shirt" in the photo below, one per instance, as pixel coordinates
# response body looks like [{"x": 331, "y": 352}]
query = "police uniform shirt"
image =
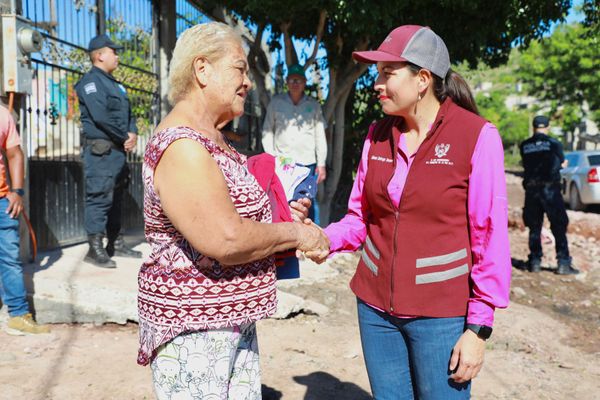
[
  {"x": 542, "y": 157},
  {"x": 105, "y": 109}
]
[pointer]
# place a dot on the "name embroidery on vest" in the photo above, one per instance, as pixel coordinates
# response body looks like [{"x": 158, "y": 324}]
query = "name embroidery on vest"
[{"x": 383, "y": 159}]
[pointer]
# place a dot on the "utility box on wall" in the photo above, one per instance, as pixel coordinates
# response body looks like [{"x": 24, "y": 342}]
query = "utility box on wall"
[{"x": 19, "y": 40}]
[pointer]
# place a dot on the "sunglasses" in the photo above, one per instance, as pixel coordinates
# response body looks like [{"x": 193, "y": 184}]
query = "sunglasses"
[{"x": 295, "y": 80}]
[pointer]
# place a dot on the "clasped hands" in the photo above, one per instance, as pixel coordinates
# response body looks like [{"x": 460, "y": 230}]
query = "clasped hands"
[{"x": 312, "y": 240}]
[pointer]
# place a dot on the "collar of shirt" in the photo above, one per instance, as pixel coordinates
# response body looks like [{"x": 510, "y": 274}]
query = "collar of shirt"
[
  {"x": 288, "y": 98},
  {"x": 102, "y": 72}
]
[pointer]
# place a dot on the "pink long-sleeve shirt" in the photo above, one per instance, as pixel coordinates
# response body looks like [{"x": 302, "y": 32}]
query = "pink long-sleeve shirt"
[{"x": 488, "y": 220}]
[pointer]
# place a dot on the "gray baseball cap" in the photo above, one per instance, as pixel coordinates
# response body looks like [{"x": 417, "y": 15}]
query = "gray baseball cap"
[{"x": 411, "y": 43}]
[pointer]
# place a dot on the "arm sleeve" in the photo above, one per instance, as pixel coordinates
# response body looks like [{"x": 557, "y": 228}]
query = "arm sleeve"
[
  {"x": 488, "y": 221},
  {"x": 350, "y": 232},
  {"x": 320, "y": 138},
  {"x": 559, "y": 151},
  {"x": 96, "y": 104},
  {"x": 12, "y": 135},
  {"x": 132, "y": 120},
  {"x": 268, "y": 131}
]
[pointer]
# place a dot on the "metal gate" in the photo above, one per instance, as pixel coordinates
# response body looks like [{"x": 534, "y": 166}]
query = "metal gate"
[{"x": 52, "y": 111}]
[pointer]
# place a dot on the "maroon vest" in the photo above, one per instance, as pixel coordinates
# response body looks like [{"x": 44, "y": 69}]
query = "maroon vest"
[{"x": 417, "y": 257}]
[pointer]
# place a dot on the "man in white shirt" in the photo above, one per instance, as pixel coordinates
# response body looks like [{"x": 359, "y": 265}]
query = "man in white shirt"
[{"x": 294, "y": 127}]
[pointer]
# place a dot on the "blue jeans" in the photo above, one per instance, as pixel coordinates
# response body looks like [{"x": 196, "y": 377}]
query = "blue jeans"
[
  {"x": 12, "y": 288},
  {"x": 407, "y": 358}
]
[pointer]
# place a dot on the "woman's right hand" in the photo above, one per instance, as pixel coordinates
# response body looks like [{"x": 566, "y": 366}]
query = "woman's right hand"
[{"x": 313, "y": 241}]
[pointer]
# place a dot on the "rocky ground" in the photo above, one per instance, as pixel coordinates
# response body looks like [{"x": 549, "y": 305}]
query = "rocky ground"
[{"x": 546, "y": 345}]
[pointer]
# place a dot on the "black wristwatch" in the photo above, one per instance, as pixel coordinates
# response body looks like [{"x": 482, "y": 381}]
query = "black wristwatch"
[
  {"x": 483, "y": 331},
  {"x": 20, "y": 192}
]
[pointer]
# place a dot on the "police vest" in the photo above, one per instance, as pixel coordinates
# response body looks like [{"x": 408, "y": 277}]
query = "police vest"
[
  {"x": 542, "y": 158},
  {"x": 417, "y": 256}
]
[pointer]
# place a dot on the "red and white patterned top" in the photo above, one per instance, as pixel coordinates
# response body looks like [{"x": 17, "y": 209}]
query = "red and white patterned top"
[{"x": 182, "y": 290}]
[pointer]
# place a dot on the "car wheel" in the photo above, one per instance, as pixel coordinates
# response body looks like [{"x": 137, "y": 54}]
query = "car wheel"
[{"x": 574, "y": 199}]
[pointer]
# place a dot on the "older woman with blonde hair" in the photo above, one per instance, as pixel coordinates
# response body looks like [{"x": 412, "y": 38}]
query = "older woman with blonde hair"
[{"x": 210, "y": 275}]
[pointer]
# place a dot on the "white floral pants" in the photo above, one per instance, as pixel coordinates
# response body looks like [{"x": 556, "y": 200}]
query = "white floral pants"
[{"x": 219, "y": 364}]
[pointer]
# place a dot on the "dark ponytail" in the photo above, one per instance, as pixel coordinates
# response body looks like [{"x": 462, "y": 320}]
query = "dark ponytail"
[{"x": 455, "y": 87}]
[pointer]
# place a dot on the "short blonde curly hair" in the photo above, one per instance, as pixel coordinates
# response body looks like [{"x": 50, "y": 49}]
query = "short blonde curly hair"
[{"x": 203, "y": 40}]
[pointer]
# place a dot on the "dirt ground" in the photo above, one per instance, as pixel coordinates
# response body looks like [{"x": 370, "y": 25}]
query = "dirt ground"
[{"x": 546, "y": 345}]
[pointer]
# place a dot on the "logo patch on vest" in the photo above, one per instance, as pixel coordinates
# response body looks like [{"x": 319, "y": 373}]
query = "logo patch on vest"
[
  {"x": 382, "y": 159},
  {"x": 441, "y": 150}
]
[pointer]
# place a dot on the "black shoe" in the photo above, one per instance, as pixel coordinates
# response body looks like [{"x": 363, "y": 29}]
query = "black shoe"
[
  {"x": 566, "y": 269},
  {"x": 118, "y": 248},
  {"x": 535, "y": 265},
  {"x": 97, "y": 255}
]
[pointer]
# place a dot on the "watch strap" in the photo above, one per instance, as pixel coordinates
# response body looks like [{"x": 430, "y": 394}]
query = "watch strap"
[{"x": 19, "y": 191}]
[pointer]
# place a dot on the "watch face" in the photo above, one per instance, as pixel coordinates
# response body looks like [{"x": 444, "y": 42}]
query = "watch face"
[
  {"x": 482, "y": 331},
  {"x": 485, "y": 332}
]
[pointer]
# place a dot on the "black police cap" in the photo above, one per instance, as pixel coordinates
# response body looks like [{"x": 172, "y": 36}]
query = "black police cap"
[
  {"x": 541, "y": 121},
  {"x": 101, "y": 41}
]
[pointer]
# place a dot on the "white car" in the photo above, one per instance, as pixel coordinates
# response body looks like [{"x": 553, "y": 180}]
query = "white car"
[{"x": 581, "y": 179}]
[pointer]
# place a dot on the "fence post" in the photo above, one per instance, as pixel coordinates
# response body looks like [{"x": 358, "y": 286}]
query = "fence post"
[
  {"x": 167, "y": 37},
  {"x": 100, "y": 17}
]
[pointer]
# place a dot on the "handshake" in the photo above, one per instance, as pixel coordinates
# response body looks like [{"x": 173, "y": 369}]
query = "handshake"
[{"x": 312, "y": 241}]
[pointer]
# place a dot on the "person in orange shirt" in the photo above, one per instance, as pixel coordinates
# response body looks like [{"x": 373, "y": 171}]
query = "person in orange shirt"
[{"x": 12, "y": 289}]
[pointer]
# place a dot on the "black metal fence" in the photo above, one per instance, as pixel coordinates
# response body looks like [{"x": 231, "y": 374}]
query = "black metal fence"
[{"x": 52, "y": 110}]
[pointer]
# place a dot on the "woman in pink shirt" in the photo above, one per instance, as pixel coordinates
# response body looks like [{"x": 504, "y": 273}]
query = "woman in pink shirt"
[{"x": 429, "y": 209}]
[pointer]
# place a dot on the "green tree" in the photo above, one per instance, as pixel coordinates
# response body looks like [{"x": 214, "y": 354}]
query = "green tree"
[
  {"x": 591, "y": 9},
  {"x": 472, "y": 30},
  {"x": 513, "y": 125},
  {"x": 135, "y": 70},
  {"x": 563, "y": 70},
  {"x": 503, "y": 82}
]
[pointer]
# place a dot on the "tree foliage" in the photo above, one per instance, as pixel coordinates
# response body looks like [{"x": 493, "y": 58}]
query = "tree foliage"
[
  {"x": 591, "y": 10},
  {"x": 472, "y": 30},
  {"x": 135, "y": 70},
  {"x": 512, "y": 124},
  {"x": 563, "y": 70},
  {"x": 493, "y": 87}
]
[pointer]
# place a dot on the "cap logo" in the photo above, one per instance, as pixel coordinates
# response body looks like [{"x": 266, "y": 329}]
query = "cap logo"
[{"x": 388, "y": 39}]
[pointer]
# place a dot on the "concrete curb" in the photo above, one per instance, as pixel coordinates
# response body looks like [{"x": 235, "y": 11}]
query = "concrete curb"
[{"x": 64, "y": 289}]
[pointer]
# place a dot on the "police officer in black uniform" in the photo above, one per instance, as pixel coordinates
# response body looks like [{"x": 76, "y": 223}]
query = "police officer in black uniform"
[
  {"x": 109, "y": 132},
  {"x": 543, "y": 158}
]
